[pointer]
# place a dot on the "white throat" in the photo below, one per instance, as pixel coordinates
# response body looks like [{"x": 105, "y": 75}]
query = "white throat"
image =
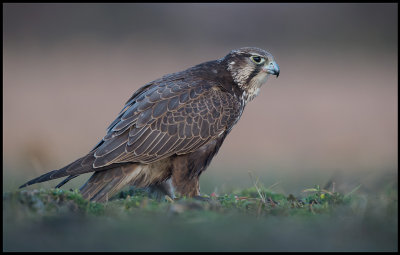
[{"x": 254, "y": 86}]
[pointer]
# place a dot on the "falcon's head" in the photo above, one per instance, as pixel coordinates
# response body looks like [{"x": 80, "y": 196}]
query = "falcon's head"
[{"x": 250, "y": 68}]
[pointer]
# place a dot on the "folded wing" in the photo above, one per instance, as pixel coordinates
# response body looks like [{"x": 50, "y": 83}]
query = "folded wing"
[{"x": 174, "y": 117}]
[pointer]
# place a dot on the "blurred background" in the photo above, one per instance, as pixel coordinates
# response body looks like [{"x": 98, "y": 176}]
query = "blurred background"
[
  {"x": 331, "y": 115},
  {"x": 68, "y": 69}
]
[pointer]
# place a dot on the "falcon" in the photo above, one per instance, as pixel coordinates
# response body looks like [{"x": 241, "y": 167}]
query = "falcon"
[{"x": 170, "y": 129}]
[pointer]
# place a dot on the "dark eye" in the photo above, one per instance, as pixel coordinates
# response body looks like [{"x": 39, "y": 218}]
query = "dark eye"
[{"x": 257, "y": 59}]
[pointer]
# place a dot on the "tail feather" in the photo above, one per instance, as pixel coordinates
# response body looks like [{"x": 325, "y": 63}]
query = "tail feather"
[
  {"x": 78, "y": 167},
  {"x": 75, "y": 167},
  {"x": 42, "y": 178},
  {"x": 102, "y": 185}
]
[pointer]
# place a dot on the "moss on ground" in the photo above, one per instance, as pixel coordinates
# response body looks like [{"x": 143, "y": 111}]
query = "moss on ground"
[
  {"x": 252, "y": 219},
  {"x": 252, "y": 201}
]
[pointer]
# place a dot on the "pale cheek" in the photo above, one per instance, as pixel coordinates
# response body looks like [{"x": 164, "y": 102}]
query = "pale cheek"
[
  {"x": 264, "y": 77},
  {"x": 260, "y": 79}
]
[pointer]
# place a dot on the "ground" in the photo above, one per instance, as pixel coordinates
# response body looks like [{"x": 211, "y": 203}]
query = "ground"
[{"x": 252, "y": 219}]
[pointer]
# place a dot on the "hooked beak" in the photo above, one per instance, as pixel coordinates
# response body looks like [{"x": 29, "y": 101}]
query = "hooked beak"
[{"x": 272, "y": 68}]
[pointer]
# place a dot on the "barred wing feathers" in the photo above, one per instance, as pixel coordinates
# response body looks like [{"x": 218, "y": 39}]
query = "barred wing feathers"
[{"x": 174, "y": 117}]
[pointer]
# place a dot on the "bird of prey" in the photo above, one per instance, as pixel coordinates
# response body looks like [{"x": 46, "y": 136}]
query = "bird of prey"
[{"x": 170, "y": 129}]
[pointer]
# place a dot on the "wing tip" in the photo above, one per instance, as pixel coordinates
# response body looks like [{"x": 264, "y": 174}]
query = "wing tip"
[
  {"x": 23, "y": 185},
  {"x": 44, "y": 177}
]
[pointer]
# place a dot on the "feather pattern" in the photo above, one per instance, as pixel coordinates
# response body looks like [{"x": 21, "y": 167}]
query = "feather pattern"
[{"x": 173, "y": 115}]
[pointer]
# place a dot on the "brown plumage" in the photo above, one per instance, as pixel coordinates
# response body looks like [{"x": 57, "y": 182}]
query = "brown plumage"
[{"x": 170, "y": 129}]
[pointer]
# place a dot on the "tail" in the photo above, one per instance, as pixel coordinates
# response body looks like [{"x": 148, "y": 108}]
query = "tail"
[
  {"x": 102, "y": 185},
  {"x": 76, "y": 168}
]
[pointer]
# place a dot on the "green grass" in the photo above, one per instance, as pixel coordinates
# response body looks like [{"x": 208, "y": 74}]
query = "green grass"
[
  {"x": 251, "y": 201},
  {"x": 252, "y": 219}
]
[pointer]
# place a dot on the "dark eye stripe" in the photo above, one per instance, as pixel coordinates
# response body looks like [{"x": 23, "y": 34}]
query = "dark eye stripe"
[{"x": 253, "y": 74}]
